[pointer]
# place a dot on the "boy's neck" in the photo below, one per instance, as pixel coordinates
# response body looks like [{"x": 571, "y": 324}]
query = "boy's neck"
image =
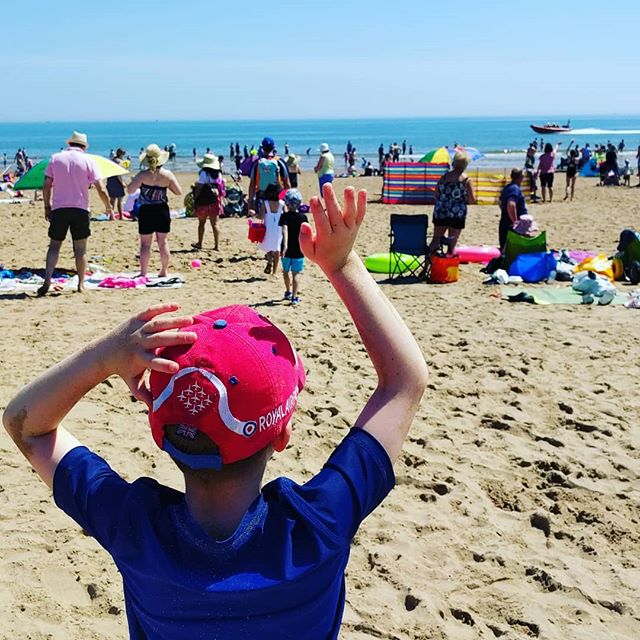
[{"x": 218, "y": 507}]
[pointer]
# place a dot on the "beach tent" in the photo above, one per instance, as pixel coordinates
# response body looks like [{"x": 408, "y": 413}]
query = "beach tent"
[
  {"x": 590, "y": 170},
  {"x": 411, "y": 182},
  {"x": 415, "y": 183}
]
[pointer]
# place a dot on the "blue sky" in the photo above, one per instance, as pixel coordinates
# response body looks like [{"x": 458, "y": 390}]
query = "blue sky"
[{"x": 148, "y": 60}]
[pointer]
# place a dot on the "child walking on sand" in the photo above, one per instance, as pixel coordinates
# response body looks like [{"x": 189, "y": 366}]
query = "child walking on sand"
[
  {"x": 229, "y": 558},
  {"x": 208, "y": 192},
  {"x": 292, "y": 257}
]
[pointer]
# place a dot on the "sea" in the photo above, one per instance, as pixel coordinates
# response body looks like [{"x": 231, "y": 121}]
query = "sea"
[{"x": 502, "y": 140}]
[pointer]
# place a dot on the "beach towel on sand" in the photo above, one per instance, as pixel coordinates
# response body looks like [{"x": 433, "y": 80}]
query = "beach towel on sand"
[{"x": 98, "y": 281}]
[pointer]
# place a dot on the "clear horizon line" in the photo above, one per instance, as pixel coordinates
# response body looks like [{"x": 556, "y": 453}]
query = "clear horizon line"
[{"x": 325, "y": 119}]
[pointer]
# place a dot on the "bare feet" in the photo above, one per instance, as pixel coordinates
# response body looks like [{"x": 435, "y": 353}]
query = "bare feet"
[
  {"x": 81, "y": 288},
  {"x": 196, "y": 245},
  {"x": 163, "y": 274}
]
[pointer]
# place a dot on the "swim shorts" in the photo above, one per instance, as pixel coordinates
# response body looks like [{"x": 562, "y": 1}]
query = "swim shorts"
[
  {"x": 327, "y": 177},
  {"x": 296, "y": 265},
  {"x": 65, "y": 218},
  {"x": 546, "y": 180},
  {"x": 204, "y": 211},
  {"x": 154, "y": 218}
]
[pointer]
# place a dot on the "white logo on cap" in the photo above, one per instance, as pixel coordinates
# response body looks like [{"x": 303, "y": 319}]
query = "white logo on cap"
[{"x": 194, "y": 398}]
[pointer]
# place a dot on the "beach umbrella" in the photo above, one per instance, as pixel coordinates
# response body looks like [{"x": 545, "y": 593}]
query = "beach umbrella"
[
  {"x": 437, "y": 156},
  {"x": 34, "y": 178},
  {"x": 472, "y": 152}
]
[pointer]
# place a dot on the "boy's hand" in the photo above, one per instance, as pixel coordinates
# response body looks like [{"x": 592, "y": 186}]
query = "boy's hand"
[
  {"x": 332, "y": 243},
  {"x": 132, "y": 347}
]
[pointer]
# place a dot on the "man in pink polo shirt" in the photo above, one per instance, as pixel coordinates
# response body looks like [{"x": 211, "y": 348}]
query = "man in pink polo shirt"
[{"x": 68, "y": 177}]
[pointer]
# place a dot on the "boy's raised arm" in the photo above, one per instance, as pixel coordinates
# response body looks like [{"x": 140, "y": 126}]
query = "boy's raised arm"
[
  {"x": 33, "y": 417},
  {"x": 396, "y": 357}
]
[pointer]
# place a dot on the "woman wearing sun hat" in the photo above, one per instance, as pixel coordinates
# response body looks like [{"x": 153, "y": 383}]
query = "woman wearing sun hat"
[
  {"x": 208, "y": 192},
  {"x": 153, "y": 214},
  {"x": 324, "y": 168}
]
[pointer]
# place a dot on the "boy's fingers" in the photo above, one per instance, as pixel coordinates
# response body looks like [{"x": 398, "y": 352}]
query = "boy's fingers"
[
  {"x": 169, "y": 339},
  {"x": 163, "y": 365},
  {"x": 333, "y": 207},
  {"x": 139, "y": 391},
  {"x": 349, "y": 216},
  {"x": 163, "y": 324},
  {"x": 157, "y": 309},
  {"x": 319, "y": 216},
  {"x": 306, "y": 240},
  {"x": 361, "y": 205}
]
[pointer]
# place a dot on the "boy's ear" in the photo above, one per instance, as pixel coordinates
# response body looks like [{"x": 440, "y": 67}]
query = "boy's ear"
[{"x": 282, "y": 439}]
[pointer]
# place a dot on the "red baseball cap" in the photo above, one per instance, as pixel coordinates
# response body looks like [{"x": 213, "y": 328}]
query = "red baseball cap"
[{"x": 238, "y": 384}]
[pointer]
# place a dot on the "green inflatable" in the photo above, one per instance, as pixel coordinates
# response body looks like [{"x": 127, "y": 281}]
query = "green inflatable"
[{"x": 382, "y": 262}]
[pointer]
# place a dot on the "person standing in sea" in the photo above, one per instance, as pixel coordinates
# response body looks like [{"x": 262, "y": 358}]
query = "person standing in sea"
[
  {"x": 153, "y": 215},
  {"x": 68, "y": 177},
  {"x": 325, "y": 166}
]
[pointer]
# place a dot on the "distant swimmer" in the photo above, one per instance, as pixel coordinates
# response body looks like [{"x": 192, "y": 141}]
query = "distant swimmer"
[{"x": 309, "y": 151}]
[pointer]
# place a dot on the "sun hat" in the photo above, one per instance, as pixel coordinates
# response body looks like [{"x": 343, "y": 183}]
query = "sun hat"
[
  {"x": 210, "y": 161},
  {"x": 293, "y": 198},
  {"x": 268, "y": 143},
  {"x": 324, "y": 147},
  {"x": 238, "y": 385},
  {"x": 154, "y": 151},
  {"x": 526, "y": 226},
  {"x": 78, "y": 138}
]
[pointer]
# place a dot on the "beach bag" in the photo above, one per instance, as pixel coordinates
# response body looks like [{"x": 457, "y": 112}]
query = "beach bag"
[
  {"x": 268, "y": 177},
  {"x": 203, "y": 195},
  {"x": 533, "y": 267}
]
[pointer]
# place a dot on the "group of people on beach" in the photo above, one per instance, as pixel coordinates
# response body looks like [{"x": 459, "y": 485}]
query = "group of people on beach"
[{"x": 273, "y": 197}]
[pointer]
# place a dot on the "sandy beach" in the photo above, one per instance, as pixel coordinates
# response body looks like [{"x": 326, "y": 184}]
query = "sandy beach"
[{"x": 517, "y": 507}]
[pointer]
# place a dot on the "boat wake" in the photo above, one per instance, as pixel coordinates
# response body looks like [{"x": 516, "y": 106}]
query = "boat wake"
[{"x": 600, "y": 132}]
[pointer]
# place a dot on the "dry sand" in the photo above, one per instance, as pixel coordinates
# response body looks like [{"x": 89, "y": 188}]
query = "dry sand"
[{"x": 531, "y": 412}]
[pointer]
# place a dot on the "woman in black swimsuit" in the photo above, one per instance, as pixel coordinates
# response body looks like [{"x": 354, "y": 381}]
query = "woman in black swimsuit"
[
  {"x": 153, "y": 215},
  {"x": 572, "y": 173}
]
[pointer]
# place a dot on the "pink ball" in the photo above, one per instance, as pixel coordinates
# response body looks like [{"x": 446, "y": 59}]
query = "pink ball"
[{"x": 196, "y": 264}]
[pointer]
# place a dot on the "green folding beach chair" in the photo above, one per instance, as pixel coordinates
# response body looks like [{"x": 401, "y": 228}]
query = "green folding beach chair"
[{"x": 517, "y": 245}]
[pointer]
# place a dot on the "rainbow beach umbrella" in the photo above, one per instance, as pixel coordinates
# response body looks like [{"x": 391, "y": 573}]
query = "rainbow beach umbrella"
[
  {"x": 437, "y": 156},
  {"x": 34, "y": 178},
  {"x": 472, "y": 152}
]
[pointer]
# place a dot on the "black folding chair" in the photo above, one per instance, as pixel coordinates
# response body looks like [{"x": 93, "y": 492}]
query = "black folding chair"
[{"x": 408, "y": 247}]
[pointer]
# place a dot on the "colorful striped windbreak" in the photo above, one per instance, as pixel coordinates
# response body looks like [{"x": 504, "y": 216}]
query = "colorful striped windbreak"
[{"x": 415, "y": 183}]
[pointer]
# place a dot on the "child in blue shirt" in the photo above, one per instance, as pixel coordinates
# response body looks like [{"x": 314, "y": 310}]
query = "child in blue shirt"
[{"x": 230, "y": 558}]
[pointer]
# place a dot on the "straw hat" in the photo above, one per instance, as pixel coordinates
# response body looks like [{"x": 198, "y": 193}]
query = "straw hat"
[
  {"x": 209, "y": 162},
  {"x": 154, "y": 151},
  {"x": 78, "y": 138},
  {"x": 324, "y": 147}
]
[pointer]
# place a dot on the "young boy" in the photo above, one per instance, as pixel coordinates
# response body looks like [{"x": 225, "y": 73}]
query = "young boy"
[
  {"x": 229, "y": 559},
  {"x": 292, "y": 258}
]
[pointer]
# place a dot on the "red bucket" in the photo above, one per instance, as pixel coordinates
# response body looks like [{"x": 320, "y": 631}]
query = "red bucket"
[
  {"x": 256, "y": 231},
  {"x": 444, "y": 269}
]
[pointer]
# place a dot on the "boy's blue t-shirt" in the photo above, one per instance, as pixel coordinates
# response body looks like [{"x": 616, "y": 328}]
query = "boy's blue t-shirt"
[{"x": 280, "y": 575}]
